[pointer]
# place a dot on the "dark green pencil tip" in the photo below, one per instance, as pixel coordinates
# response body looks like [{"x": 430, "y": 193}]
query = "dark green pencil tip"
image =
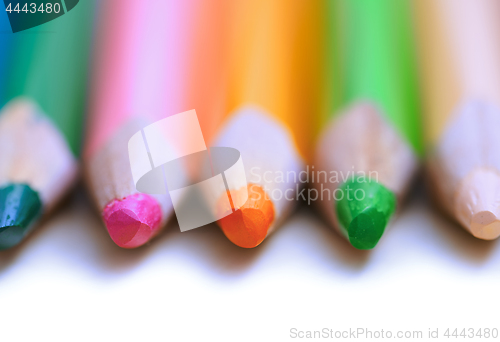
[
  {"x": 364, "y": 211},
  {"x": 20, "y": 206}
]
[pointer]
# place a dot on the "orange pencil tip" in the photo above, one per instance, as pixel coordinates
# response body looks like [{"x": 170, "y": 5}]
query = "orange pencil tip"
[{"x": 247, "y": 227}]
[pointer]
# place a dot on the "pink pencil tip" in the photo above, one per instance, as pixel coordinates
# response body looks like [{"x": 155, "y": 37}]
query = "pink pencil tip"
[{"x": 132, "y": 221}]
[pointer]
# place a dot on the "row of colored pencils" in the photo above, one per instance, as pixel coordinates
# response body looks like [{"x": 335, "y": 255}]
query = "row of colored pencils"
[{"x": 330, "y": 84}]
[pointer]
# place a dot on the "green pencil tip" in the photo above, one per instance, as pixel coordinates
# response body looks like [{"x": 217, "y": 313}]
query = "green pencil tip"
[
  {"x": 364, "y": 210},
  {"x": 20, "y": 206}
]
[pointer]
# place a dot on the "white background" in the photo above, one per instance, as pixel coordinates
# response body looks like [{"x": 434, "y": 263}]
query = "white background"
[{"x": 69, "y": 282}]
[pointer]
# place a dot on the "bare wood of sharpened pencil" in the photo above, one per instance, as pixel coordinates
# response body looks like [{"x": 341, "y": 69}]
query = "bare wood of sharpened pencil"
[
  {"x": 34, "y": 152},
  {"x": 460, "y": 58},
  {"x": 361, "y": 141},
  {"x": 108, "y": 171}
]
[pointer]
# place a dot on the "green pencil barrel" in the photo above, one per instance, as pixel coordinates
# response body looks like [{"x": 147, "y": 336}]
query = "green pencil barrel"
[
  {"x": 378, "y": 60},
  {"x": 50, "y": 66},
  {"x": 371, "y": 58}
]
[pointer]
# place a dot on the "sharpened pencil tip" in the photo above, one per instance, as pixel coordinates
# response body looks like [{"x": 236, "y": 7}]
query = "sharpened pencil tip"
[
  {"x": 132, "y": 221},
  {"x": 477, "y": 203},
  {"x": 20, "y": 206},
  {"x": 364, "y": 210},
  {"x": 247, "y": 227},
  {"x": 485, "y": 225}
]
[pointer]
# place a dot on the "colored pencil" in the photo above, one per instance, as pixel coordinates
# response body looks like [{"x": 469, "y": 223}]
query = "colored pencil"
[
  {"x": 460, "y": 57},
  {"x": 367, "y": 152},
  {"x": 206, "y": 76},
  {"x": 40, "y": 125},
  {"x": 262, "y": 105},
  {"x": 141, "y": 74}
]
